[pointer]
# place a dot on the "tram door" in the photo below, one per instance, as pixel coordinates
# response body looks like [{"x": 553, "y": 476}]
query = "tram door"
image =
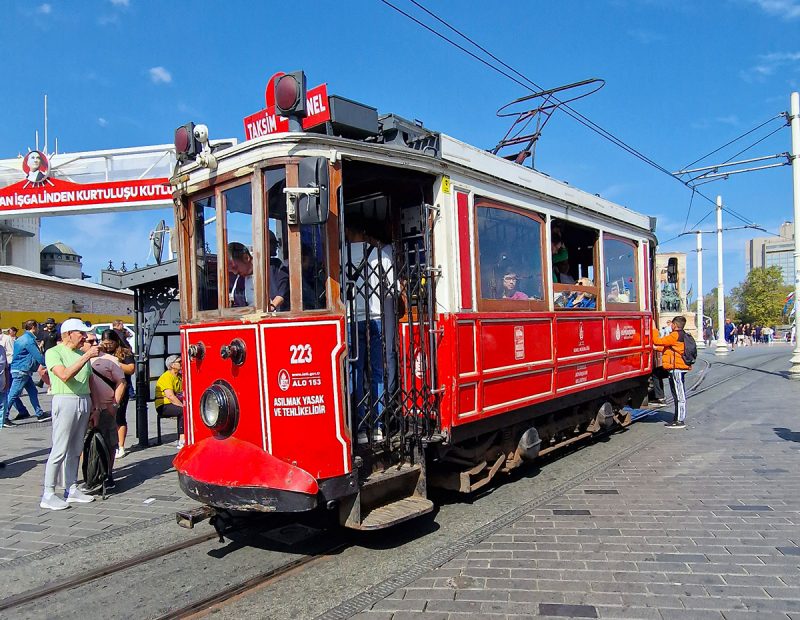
[{"x": 389, "y": 305}]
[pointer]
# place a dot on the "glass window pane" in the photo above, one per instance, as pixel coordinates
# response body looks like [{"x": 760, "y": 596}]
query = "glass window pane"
[
  {"x": 277, "y": 242},
  {"x": 620, "y": 270},
  {"x": 313, "y": 253},
  {"x": 239, "y": 232},
  {"x": 510, "y": 255},
  {"x": 205, "y": 235}
]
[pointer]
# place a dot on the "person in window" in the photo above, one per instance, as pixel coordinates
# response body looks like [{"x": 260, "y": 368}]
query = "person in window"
[
  {"x": 582, "y": 299},
  {"x": 562, "y": 271},
  {"x": 510, "y": 280},
  {"x": 559, "y": 252},
  {"x": 278, "y": 278},
  {"x": 240, "y": 265}
]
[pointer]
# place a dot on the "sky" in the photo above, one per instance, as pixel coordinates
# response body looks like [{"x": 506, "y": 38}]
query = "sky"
[{"x": 682, "y": 78}]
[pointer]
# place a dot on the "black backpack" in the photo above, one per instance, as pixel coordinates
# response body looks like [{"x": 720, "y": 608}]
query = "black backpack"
[
  {"x": 689, "y": 348},
  {"x": 95, "y": 461}
]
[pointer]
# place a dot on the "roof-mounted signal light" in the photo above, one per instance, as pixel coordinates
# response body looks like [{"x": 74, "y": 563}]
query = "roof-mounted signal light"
[
  {"x": 290, "y": 98},
  {"x": 187, "y": 146}
]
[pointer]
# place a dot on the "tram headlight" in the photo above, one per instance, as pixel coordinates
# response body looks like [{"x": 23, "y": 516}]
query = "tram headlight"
[{"x": 219, "y": 408}]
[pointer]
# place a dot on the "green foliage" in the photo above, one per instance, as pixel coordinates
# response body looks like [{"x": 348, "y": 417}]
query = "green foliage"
[{"x": 761, "y": 297}]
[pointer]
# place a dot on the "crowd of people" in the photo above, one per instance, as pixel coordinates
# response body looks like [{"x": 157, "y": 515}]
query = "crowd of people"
[
  {"x": 88, "y": 373},
  {"x": 746, "y": 335}
]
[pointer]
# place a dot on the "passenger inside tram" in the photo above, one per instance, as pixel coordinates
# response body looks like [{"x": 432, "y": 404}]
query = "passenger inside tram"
[
  {"x": 278, "y": 278},
  {"x": 240, "y": 266},
  {"x": 510, "y": 281}
]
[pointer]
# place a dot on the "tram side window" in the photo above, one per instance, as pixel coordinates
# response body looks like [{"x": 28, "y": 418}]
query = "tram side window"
[
  {"x": 620, "y": 270},
  {"x": 277, "y": 245},
  {"x": 238, "y": 203},
  {"x": 205, "y": 235},
  {"x": 313, "y": 252},
  {"x": 509, "y": 245},
  {"x": 572, "y": 250}
]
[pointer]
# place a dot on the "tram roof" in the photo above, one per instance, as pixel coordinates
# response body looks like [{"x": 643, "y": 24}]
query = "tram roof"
[{"x": 451, "y": 151}]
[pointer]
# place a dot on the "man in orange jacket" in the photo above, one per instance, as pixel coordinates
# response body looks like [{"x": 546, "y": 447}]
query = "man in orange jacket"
[{"x": 672, "y": 361}]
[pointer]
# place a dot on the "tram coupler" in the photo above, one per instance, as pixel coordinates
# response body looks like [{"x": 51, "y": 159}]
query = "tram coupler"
[{"x": 188, "y": 518}]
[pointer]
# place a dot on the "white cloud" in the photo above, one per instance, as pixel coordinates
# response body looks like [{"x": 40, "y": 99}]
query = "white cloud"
[
  {"x": 44, "y": 9},
  {"x": 731, "y": 119},
  {"x": 786, "y": 9},
  {"x": 159, "y": 75},
  {"x": 769, "y": 64},
  {"x": 102, "y": 122},
  {"x": 122, "y": 3}
]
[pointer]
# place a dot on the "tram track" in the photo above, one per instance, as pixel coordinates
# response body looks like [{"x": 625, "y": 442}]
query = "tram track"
[{"x": 269, "y": 577}]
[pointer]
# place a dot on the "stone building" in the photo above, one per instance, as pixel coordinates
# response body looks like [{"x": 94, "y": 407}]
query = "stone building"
[
  {"x": 61, "y": 261},
  {"x": 30, "y": 295}
]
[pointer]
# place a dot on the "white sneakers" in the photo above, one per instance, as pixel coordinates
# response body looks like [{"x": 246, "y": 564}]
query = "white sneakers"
[
  {"x": 180, "y": 444},
  {"x": 120, "y": 453},
  {"x": 76, "y": 496},
  {"x": 53, "y": 502}
]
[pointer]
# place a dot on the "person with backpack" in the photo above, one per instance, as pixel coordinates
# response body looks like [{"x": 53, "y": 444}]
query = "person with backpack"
[
  {"x": 108, "y": 390},
  {"x": 679, "y": 353},
  {"x": 70, "y": 371}
]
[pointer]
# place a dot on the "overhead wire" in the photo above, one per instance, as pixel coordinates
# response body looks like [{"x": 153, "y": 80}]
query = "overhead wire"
[
  {"x": 565, "y": 107},
  {"x": 746, "y": 133}
]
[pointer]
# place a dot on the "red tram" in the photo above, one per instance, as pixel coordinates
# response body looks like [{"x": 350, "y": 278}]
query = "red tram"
[{"x": 371, "y": 308}]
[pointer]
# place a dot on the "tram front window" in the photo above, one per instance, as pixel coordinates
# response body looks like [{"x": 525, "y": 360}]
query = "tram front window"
[
  {"x": 206, "y": 251},
  {"x": 239, "y": 235}
]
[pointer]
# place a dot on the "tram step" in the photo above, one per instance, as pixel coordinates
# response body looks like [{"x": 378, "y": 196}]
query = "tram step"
[{"x": 395, "y": 512}]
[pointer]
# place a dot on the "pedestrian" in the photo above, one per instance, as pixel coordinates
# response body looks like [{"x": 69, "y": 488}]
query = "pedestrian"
[
  {"x": 708, "y": 335},
  {"x": 673, "y": 362},
  {"x": 758, "y": 333},
  {"x": 27, "y": 360},
  {"x": 113, "y": 346},
  {"x": 7, "y": 341},
  {"x": 70, "y": 373},
  {"x": 108, "y": 390},
  {"x": 48, "y": 335},
  {"x": 169, "y": 395},
  {"x": 5, "y": 383},
  {"x": 730, "y": 334}
]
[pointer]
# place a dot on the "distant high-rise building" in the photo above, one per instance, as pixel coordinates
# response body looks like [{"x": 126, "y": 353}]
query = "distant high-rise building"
[{"x": 773, "y": 251}]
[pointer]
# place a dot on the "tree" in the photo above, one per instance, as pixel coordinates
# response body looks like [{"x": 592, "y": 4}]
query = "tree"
[{"x": 761, "y": 296}]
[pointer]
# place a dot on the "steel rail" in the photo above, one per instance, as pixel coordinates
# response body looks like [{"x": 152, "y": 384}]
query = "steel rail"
[
  {"x": 266, "y": 578},
  {"x": 92, "y": 575}
]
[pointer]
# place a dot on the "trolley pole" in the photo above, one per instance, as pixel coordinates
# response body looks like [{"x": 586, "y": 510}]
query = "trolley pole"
[
  {"x": 722, "y": 346},
  {"x": 701, "y": 343},
  {"x": 794, "y": 370}
]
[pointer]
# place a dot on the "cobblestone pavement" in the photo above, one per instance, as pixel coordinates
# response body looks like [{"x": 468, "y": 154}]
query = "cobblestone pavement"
[
  {"x": 704, "y": 523},
  {"x": 147, "y": 490}
]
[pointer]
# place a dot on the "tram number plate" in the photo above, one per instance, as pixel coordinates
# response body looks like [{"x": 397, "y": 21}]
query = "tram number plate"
[{"x": 301, "y": 354}]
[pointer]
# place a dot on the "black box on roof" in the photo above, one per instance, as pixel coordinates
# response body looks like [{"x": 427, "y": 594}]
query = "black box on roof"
[{"x": 350, "y": 119}]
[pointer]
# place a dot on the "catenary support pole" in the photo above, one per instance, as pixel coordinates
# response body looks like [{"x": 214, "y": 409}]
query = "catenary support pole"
[
  {"x": 722, "y": 346},
  {"x": 701, "y": 343},
  {"x": 794, "y": 369}
]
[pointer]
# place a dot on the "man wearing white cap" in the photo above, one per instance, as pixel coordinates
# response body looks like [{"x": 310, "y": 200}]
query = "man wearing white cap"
[{"x": 70, "y": 372}]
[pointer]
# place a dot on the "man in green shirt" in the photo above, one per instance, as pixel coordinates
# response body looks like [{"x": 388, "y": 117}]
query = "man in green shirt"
[{"x": 70, "y": 372}]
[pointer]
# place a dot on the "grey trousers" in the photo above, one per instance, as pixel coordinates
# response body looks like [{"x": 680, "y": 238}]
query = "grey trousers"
[{"x": 70, "y": 420}]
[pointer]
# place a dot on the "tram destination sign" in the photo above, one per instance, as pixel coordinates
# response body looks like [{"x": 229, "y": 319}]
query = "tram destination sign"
[
  {"x": 267, "y": 122},
  {"x": 52, "y": 195}
]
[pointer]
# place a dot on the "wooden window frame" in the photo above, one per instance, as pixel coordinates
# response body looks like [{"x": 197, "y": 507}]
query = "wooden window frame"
[
  {"x": 571, "y": 288},
  {"x": 632, "y": 305},
  {"x": 507, "y": 305}
]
